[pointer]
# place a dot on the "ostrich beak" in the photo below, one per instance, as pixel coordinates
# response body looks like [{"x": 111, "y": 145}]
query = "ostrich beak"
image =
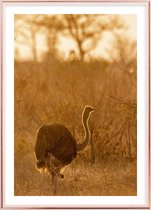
[{"x": 93, "y": 109}]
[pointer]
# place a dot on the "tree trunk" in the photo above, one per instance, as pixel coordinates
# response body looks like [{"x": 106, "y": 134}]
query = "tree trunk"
[
  {"x": 34, "y": 50},
  {"x": 81, "y": 51}
]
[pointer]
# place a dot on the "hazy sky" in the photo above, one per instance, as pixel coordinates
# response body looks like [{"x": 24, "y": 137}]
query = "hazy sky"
[
  {"x": 66, "y": 45},
  {"x": 131, "y": 21}
]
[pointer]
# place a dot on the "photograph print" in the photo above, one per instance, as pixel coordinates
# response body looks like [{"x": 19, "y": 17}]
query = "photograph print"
[{"x": 75, "y": 105}]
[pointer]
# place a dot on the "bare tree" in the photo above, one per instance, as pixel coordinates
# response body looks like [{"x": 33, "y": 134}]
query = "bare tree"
[
  {"x": 26, "y": 32},
  {"x": 125, "y": 56},
  {"x": 86, "y": 30},
  {"x": 125, "y": 52},
  {"x": 51, "y": 25}
]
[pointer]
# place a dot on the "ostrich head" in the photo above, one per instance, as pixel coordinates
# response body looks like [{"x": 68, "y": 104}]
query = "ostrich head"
[{"x": 87, "y": 111}]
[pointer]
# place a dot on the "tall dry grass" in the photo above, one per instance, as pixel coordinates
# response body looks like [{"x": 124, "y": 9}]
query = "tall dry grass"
[{"x": 55, "y": 91}]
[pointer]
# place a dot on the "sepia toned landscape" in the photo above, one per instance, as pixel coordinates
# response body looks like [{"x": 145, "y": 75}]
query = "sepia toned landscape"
[{"x": 62, "y": 63}]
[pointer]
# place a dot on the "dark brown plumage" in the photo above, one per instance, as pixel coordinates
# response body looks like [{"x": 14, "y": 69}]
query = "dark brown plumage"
[{"x": 55, "y": 139}]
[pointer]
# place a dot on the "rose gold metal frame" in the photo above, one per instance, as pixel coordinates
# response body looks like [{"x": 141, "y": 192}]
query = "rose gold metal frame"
[{"x": 148, "y": 18}]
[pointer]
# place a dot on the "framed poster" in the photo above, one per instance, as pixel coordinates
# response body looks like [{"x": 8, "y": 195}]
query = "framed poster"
[{"x": 75, "y": 81}]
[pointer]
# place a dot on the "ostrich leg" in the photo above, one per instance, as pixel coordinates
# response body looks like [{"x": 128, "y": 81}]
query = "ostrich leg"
[
  {"x": 54, "y": 183},
  {"x": 54, "y": 177},
  {"x": 54, "y": 172}
]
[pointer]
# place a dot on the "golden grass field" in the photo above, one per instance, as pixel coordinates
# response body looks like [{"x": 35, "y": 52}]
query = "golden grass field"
[{"x": 57, "y": 91}]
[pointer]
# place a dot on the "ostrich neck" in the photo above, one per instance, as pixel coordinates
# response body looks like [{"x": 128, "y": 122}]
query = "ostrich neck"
[{"x": 81, "y": 146}]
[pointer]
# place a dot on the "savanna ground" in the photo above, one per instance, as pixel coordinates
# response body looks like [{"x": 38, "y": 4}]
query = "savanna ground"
[{"x": 57, "y": 91}]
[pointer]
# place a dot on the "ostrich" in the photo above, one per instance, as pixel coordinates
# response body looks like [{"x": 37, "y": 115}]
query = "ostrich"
[{"x": 56, "y": 147}]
